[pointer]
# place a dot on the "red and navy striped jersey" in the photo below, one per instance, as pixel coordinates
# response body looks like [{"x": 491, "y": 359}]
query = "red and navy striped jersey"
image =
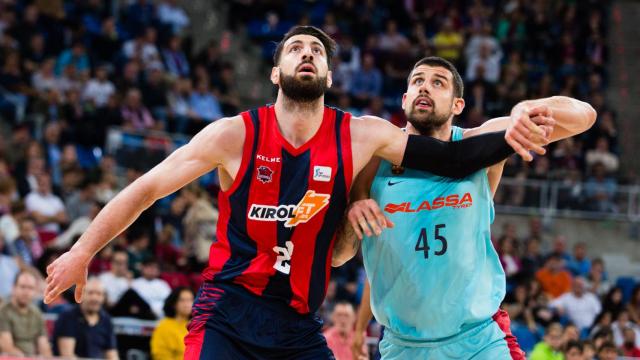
[{"x": 278, "y": 220}]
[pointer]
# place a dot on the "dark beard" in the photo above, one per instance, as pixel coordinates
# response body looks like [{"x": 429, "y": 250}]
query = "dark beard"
[
  {"x": 304, "y": 91},
  {"x": 427, "y": 125}
]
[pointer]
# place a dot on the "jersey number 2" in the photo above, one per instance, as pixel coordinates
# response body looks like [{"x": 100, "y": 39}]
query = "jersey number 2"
[
  {"x": 423, "y": 242},
  {"x": 284, "y": 256}
]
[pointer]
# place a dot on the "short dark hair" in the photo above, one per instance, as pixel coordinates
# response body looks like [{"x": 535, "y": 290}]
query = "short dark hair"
[
  {"x": 23, "y": 272},
  {"x": 607, "y": 345},
  {"x": 328, "y": 43},
  {"x": 171, "y": 301},
  {"x": 573, "y": 344},
  {"x": 435, "y": 61}
]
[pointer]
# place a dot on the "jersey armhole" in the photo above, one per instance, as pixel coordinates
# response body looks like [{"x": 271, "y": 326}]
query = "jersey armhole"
[{"x": 247, "y": 152}]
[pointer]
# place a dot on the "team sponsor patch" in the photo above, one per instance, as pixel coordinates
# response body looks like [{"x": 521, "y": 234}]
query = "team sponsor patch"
[
  {"x": 454, "y": 201},
  {"x": 293, "y": 215},
  {"x": 322, "y": 173}
]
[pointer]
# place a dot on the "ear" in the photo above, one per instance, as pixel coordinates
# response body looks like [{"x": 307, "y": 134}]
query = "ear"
[
  {"x": 404, "y": 98},
  {"x": 275, "y": 75},
  {"x": 329, "y": 79},
  {"x": 458, "y": 106}
]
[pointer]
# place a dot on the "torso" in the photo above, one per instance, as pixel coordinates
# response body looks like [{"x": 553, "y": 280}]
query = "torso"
[{"x": 280, "y": 209}]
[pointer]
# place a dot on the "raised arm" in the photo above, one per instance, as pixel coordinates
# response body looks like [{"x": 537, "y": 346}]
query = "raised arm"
[{"x": 218, "y": 145}]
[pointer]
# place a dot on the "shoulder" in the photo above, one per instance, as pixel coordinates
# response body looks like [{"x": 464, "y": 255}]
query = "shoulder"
[{"x": 370, "y": 126}]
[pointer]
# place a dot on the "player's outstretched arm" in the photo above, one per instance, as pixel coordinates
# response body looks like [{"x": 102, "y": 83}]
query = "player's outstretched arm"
[
  {"x": 564, "y": 116},
  {"x": 375, "y": 136},
  {"x": 216, "y": 145}
]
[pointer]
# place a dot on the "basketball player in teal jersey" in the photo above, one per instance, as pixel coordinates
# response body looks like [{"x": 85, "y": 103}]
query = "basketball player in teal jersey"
[{"x": 435, "y": 279}]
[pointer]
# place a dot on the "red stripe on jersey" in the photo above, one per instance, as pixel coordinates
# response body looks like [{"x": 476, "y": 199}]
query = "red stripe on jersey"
[
  {"x": 220, "y": 251},
  {"x": 305, "y": 235},
  {"x": 347, "y": 158},
  {"x": 263, "y": 233}
]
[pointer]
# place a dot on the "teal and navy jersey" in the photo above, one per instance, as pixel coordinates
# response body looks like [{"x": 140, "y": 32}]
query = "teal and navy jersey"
[{"x": 436, "y": 273}]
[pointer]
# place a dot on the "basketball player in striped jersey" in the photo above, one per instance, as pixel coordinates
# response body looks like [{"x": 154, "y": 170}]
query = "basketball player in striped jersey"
[{"x": 285, "y": 174}]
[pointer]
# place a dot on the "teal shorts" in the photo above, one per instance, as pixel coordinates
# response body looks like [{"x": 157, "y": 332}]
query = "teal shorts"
[{"x": 490, "y": 340}]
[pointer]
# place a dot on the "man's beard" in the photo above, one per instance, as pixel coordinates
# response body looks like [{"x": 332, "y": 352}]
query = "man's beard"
[
  {"x": 427, "y": 122},
  {"x": 303, "y": 91}
]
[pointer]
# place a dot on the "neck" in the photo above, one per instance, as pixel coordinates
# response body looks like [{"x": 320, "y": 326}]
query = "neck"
[
  {"x": 21, "y": 309},
  {"x": 442, "y": 132},
  {"x": 91, "y": 317},
  {"x": 180, "y": 317},
  {"x": 297, "y": 121}
]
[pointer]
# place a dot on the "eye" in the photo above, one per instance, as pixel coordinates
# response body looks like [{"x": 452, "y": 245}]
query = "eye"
[
  {"x": 437, "y": 83},
  {"x": 418, "y": 81},
  {"x": 317, "y": 51},
  {"x": 295, "y": 48}
]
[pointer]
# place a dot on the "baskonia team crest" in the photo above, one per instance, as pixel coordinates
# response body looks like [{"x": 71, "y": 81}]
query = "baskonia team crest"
[{"x": 264, "y": 174}]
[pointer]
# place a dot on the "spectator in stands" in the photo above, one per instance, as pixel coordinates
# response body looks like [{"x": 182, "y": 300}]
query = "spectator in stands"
[
  {"x": 143, "y": 48},
  {"x": 76, "y": 228},
  {"x": 391, "y": 39},
  {"x": 22, "y": 327},
  {"x": 622, "y": 322},
  {"x": 601, "y": 154},
  {"x": 613, "y": 302},
  {"x": 135, "y": 114},
  {"x": 9, "y": 223},
  {"x": 204, "y": 104},
  {"x": 579, "y": 264},
  {"x": 118, "y": 279},
  {"x": 634, "y": 305},
  {"x": 602, "y": 323},
  {"x": 508, "y": 257},
  {"x": 579, "y": 306},
  {"x": 199, "y": 222},
  {"x": 154, "y": 93},
  {"x": 150, "y": 287},
  {"x": 76, "y": 56},
  {"x": 553, "y": 278},
  {"x": 630, "y": 344},
  {"x": 551, "y": 346},
  {"x": 588, "y": 350},
  {"x": 28, "y": 246},
  {"x": 518, "y": 305},
  {"x": 560, "y": 249},
  {"x": 340, "y": 334},
  {"x": 175, "y": 59},
  {"x": 597, "y": 278},
  {"x": 607, "y": 351},
  {"x": 138, "y": 250},
  {"x": 484, "y": 66},
  {"x": 167, "y": 340},
  {"x": 367, "y": 81},
  {"x": 44, "y": 78},
  {"x": 99, "y": 89},
  {"x": 600, "y": 190},
  {"x": 532, "y": 260},
  {"x": 449, "y": 42},
  {"x": 573, "y": 350},
  {"x": 86, "y": 330},
  {"x": 46, "y": 208},
  {"x": 180, "y": 111},
  {"x": 9, "y": 268}
]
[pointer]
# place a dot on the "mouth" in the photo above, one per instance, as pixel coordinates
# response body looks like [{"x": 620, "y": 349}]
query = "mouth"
[
  {"x": 423, "y": 103},
  {"x": 306, "y": 69}
]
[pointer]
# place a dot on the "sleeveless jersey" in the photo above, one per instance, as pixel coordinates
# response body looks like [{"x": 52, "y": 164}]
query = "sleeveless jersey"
[
  {"x": 436, "y": 273},
  {"x": 278, "y": 220}
]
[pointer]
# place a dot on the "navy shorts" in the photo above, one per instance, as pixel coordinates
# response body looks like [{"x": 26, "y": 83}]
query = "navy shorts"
[{"x": 229, "y": 322}]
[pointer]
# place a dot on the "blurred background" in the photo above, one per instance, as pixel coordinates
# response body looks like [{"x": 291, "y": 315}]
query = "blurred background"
[{"x": 94, "y": 93}]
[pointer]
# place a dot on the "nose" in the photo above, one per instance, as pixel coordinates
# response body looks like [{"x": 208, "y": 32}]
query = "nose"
[{"x": 307, "y": 55}]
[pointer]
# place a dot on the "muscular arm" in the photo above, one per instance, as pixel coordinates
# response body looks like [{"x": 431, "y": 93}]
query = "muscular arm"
[
  {"x": 44, "y": 348},
  {"x": 67, "y": 346},
  {"x": 217, "y": 145}
]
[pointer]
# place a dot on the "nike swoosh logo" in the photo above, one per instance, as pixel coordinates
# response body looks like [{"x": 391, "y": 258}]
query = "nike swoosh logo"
[{"x": 394, "y": 183}]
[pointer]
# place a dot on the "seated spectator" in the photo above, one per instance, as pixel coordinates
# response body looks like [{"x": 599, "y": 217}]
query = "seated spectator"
[
  {"x": 448, "y": 42},
  {"x": 152, "y": 289},
  {"x": 532, "y": 260},
  {"x": 27, "y": 246},
  {"x": 46, "y": 208},
  {"x": 550, "y": 348},
  {"x": 579, "y": 264},
  {"x": 9, "y": 269},
  {"x": 136, "y": 116},
  {"x": 204, "y": 104},
  {"x": 622, "y": 322},
  {"x": 601, "y": 154},
  {"x": 634, "y": 305},
  {"x": 138, "y": 250},
  {"x": 175, "y": 59},
  {"x": 117, "y": 280},
  {"x": 76, "y": 56},
  {"x": 630, "y": 344},
  {"x": 517, "y": 305},
  {"x": 366, "y": 82},
  {"x": 22, "y": 327},
  {"x": 45, "y": 79},
  {"x": 99, "y": 89},
  {"x": 169, "y": 13},
  {"x": 485, "y": 65},
  {"x": 391, "y": 39},
  {"x": 579, "y": 306},
  {"x": 508, "y": 257},
  {"x": 560, "y": 249},
  {"x": 9, "y": 223},
  {"x": 600, "y": 190},
  {"x": 143, "y": 48},
  {"x": 607, "y": 351},
  {"x": 613, "y": 302},
  {"x": 602, "y": 322},
  {"x": 340, "y": 334},
  {"x": 573, "y": 350},
  {"x": 588, "y": 350},
  {"x": 554, "y": 280},
  {"x": 597, "y": 279},
  {"x": 86, "y": 330},
  {"x": 167, "y": 340}
]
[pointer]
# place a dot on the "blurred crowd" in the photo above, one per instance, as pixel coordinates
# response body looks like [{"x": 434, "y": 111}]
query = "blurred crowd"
[{"x": 69, "y": 70}]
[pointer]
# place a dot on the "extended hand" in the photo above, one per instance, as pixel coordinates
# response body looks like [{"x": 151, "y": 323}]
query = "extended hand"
[
  {"x": 366, "y": 217},
  {"x": 530, "y": 130},
  {"x": 69, "y": 269}
]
